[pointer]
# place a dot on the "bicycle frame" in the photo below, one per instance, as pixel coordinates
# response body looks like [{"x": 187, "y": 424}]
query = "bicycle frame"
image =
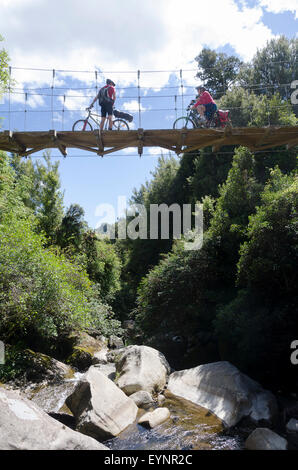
[
  {"x": 194, "y": 116},
  {"x": 93, "y": 116}
]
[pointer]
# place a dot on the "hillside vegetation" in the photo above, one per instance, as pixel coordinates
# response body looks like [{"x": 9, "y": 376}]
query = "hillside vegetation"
[{"x": 234, "y": 299}]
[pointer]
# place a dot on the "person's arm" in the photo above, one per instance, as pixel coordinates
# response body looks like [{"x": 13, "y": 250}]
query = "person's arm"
[
  {"x": 91, "y": 105},
  {"x": 114, "y": 95},
  {"x": 196, "y": 104}
]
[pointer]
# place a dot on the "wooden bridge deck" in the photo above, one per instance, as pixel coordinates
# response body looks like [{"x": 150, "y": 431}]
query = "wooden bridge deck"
[{"x": 255, "y": 138}]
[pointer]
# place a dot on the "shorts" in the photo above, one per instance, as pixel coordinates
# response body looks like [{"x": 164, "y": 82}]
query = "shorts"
[
  {"x": 107, "y": 109},
  {"x": 210, "y": 109}
]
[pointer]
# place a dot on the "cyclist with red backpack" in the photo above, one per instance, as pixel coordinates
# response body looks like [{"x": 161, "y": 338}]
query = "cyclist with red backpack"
[
  {"x": 205, "y": 104},
  {"x": 106, "y": 99}
]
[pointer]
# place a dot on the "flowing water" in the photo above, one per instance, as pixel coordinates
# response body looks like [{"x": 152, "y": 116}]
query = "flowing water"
[
  {"x": 190, "y": 427},
  {"x": 51, "y": 397}
]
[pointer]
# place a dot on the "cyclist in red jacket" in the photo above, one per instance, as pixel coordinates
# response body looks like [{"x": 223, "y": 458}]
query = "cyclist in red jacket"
[{"x": 205, "y": 104}]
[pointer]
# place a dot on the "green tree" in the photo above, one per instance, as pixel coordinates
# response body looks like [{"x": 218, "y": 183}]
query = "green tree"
[
  {"x": 72, "y": 228},
  {"x": 259, "y": 325},
  {"x": 4, "y": 69},
  {"x": 49, "y": 199},
  {"x": 103, "y": 265},
  {"x": 268, "y": 260},
  {"x": 183, "y": 290},
  {"x": 249, "y": 109},
  {"x": 217, "y": 70},
  {"x": 274, "y": 67},
  {"x": 39, "y": 187},
  {"x": 42, "y": 295}
]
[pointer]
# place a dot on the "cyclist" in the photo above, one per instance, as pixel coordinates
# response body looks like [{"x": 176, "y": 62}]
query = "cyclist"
[
  {"x": 106, "y": 101},
  {"x": 205, "y": 104}
]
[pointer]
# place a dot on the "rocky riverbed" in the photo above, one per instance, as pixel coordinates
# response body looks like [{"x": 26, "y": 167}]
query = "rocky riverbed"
[{"x": 129, "y": 398}]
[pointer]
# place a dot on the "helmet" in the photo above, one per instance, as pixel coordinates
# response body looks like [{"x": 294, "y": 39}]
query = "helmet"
[
  {"x": 200, "y": 87},
  {"x": 110, "y": 82}
]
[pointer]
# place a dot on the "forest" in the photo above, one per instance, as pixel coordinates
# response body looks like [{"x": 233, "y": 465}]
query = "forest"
[{"x": 234, "y": 299}]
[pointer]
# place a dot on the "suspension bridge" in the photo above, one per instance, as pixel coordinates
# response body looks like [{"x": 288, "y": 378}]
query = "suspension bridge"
[
  {"x": 178, "y": 141},
  {"x": 54, "y": 105}
]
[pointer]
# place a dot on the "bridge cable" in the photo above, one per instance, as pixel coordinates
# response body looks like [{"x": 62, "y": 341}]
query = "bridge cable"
[
  {"x": 139, "y": 98},
  {"x": 9, "y": 99},
  {"x": 52, "y": 97}
]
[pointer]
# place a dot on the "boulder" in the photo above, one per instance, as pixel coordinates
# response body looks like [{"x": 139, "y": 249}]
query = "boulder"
[
  {"x": 161, "y": 399},
  {"x": 100, "y": 357},
  {"x": 109, "y": 370},
  {"x": 292, "y": 425},
  {"x": 141, "y": 368},
  {"x": 142, "y": 399},
  {"x": 83, "y": 350},
  {"x": 37, "y": 367},
  {"x": 154, "y": 418},
  {"x": 265, "y": 439},
  {"x": 101, "y": 409},
  {"x": 225, "y": 391},
  {"x": 128, "y": 325},
  {"x": 115, "y": 342},
  {"x": 24, "y": 426}
]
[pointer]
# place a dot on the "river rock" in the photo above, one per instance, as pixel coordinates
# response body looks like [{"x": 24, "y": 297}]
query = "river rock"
[
  {"x": 141, "y": 368},
  {"x": 292, "y": 425},
  {"x": 154, "y": 418},
  {"x": 161, "y": 399},
  {"x": 142, "y": 398},
  {"x": 109, "y": 370},
  {"x": 83, "y": 350},
  {"x": 24, "y": 426},
  {"x": 100, "y": 357},
  {"x": 115, "y": 342},
  {"x": 225, "y": 391},
  {"x": 101, "y": 409},
  {"x": 38, "y": 367},
  {"x": 265, "y": 439}
]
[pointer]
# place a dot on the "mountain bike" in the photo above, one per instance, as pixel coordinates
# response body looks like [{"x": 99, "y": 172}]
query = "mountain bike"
[
  {"x": 85, "y": 125},
  {"x": 193, "y": 120}
]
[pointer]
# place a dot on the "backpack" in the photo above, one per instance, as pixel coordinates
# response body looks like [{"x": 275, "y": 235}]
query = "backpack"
[{"x": 103, "y": 96}]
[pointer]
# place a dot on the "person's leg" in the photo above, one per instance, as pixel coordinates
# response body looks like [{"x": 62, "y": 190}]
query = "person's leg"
[
  {"x": 110, "y": 117},
  {"x": 109, "y": 109},
  {"x": 201, "y": 110},
  {"x": 210, "y": 110},
  {"x": 103, "y": 117},
  {"x": 102, "y": 123}
]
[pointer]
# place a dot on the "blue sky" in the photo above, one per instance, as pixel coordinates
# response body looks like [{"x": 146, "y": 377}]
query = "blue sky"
[{"x": 152, "y": 35}]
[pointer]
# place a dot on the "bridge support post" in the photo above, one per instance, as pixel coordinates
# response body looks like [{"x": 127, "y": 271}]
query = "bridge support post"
[
  {"x": 55, "y": 139},
  {"x": 141, "y": 141}
]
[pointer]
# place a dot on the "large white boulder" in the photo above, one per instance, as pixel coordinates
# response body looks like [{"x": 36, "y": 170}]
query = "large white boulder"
[
  {"x": 225, "y": 391},
  {"x": 265, "y": 439},
  {"x": 24, "y": 426},
  {"x": 101, "y": 409},
  {"x": 154, "y": 418},
  {"x": 141, "y": 368}
]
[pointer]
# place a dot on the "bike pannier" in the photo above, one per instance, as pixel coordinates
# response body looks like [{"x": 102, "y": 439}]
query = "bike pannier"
[{"x": 121, "y": 115}]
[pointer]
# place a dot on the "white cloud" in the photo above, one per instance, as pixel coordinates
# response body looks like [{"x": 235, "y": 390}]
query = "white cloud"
[
  {"x": 280, "y": 6},
  {"x": 125, "y": 36},
  {"x": 133, "y": 106}
]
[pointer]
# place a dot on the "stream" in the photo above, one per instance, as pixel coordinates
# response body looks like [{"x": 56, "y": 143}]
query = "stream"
[{"x": 190, "y": 427}]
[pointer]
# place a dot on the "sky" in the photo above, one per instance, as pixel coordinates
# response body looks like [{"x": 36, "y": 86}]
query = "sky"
[{"x": 62, "y": 51}]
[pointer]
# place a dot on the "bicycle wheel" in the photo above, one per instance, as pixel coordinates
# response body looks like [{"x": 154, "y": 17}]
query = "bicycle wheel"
[
  {"x": 82, "y": 125},
  {"x": 120, "y": 125},
  {"x": 184, "y": 122}
]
